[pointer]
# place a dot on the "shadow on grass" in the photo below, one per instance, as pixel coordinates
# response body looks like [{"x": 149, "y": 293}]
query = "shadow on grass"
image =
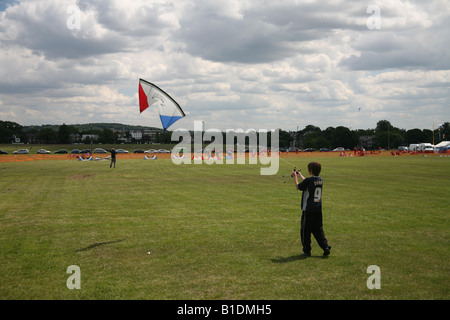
[
  {"x": 97, "y": 244},
  {"x": 295, "y": 258}
]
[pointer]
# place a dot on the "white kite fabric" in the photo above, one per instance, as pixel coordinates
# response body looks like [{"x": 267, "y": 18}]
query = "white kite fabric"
[{"x": 169, "y": 110}]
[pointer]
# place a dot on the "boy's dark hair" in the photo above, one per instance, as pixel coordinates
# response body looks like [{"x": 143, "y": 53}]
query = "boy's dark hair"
[{"x": 315, "y": 168}]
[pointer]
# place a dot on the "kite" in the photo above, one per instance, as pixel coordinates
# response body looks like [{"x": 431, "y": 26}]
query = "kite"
[{"x": 169, "y": 110}]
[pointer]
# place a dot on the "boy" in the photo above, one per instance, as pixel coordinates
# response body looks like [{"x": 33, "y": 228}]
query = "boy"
[{"x": 311, "y": 221}]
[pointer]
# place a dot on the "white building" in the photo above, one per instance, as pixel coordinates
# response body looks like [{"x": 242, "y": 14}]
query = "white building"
[
  {"x": 93, "y": 137},
  {"x": 137, "y": 135}
]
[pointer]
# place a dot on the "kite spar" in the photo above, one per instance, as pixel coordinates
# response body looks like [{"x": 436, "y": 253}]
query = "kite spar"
[{"x": 169, "y": 110}]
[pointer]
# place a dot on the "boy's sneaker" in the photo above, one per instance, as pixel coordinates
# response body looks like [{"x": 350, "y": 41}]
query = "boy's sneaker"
[
  {"x": 304, "y": 254},
  {"x": 326, "y": 251}
]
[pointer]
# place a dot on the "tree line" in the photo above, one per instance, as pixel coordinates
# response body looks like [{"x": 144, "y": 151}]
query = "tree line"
[
  {"x": 384, "y": 135},
  {"x": 67, "y": 134}
]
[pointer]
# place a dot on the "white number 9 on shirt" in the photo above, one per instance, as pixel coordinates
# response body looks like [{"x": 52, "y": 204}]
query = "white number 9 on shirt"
[{"x": 317, "y": 194}]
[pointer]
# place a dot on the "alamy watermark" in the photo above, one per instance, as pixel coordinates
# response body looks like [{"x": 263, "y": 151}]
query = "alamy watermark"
[
  {"x": 374, "y": 20},
  {"x": 74, "y": 280},
  {"x": 214, "y": 153},
  {"x": 374, "y": 281},
  {"x": 74, "y": 19}
]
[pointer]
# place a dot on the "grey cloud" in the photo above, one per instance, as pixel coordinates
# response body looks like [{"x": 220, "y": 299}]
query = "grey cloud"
[
  {"x": 400, "y": 50},
  {"x": 225, "y": 39},
  {"x": 264, "y": 34},
  {"x": 304, "y": 17},
  {"x": 403, "y": 45},
  {"x": 144, "y": 21},
  {"x": 268, "y": 33},
  {"x": 45, "y": 32}
]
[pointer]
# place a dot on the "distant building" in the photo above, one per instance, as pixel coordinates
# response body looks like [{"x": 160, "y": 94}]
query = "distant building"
[
  {"x": 121, "y": 137},
  {"x": 92, "y": 137},
  {"x": 149, "y": 135},
  {"x": 137, "y": 135},
  {"x": 31, "y": 137},
  {"x": 74, "y": 137}
]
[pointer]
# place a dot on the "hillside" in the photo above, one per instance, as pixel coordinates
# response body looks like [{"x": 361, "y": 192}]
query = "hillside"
[{"x": 91, "y": 126}]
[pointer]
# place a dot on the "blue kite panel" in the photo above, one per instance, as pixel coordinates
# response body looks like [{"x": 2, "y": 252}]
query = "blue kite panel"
[{"x": 167, "y": 121}]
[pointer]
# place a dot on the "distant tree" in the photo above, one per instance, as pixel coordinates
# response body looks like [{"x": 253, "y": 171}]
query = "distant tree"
[
  {"x": 428, "y": 136},
  {"x": 107, "y": 136},
  {"x": 285, "y": 138},
  {"x": 47, "y": 135},
  {"x": 64, "y": 134},
  {"x": 343, "y": 137},
  {"x": 443, "y": 132},
  {"x": 314, "y": 139},
  {"x": 8, "y": 129},
  {"x": 310, "y": 128},
  {"x": 414, "y": 136},
  {"x": 328, "y": 134},
  {"x": 164, "y": 137},
  {"x": 384, "y": 125},
  {"x": 387, "y": 136}
]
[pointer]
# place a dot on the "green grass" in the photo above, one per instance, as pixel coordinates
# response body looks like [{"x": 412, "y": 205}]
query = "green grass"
[{"x": 222, "y": 231}]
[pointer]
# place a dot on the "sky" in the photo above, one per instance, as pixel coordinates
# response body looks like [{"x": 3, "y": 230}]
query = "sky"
[{"x": 234, "y": 64}]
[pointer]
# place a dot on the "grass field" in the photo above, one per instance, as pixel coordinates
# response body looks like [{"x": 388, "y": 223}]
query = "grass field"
[{"x": 222, "y": 231}]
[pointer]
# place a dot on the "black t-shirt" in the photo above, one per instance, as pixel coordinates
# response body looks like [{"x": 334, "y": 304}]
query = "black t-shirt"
[
  {"x": 113, "y": 154},
  {"x": 312, "y": 194}
]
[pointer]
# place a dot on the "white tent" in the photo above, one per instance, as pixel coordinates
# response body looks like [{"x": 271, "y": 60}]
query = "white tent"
[{"x": 442, "y": 144}]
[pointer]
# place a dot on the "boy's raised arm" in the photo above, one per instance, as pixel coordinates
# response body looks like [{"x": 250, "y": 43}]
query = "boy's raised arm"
[{"x": 295, "y": 174}]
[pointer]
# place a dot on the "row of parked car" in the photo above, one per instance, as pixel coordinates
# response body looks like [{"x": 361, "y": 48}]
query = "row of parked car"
[
  {"x": 25, "y": 151},
  {"x": 100, "y": 150},
  {"x": 293, "y": 149},
  {"x": 83, "y": 151}
]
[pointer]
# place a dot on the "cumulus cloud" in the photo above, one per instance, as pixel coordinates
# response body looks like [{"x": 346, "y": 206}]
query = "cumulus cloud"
[{"x": 230, "y": 63}]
